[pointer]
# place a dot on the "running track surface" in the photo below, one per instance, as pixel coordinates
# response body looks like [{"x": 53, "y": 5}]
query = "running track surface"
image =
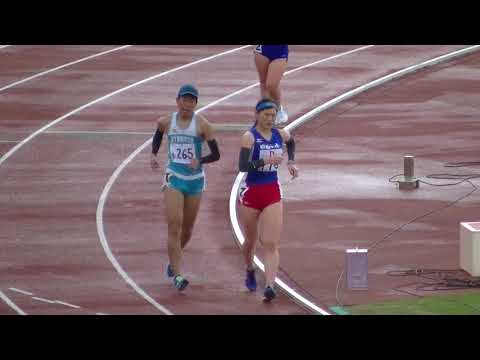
[{"x": 51, "y": 186}]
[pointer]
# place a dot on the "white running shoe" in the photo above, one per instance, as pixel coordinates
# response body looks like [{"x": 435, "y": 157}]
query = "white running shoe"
[{"x": 282, "y": 116}]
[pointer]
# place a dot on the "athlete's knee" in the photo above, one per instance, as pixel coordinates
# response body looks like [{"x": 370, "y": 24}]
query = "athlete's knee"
[
  {"x": 271, "y": 85},
  {"x": 270, "y": 244},
  {"x": 174, "y": 226},
  {"x": 187, "y": 232}
]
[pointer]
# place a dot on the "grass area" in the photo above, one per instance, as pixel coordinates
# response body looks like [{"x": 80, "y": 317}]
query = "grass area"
[{"x": 464, "y": 304}]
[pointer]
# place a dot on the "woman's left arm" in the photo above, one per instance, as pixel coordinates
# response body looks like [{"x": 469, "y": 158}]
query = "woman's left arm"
[
  {"x": 290, "y": 144},
  {"x": 207, "y": 133}
]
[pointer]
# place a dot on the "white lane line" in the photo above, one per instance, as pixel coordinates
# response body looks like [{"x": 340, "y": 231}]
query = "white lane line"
[
  {"x": 381, "y": 81},
  {"x": 108, "y": 252},
  {"x": 8, "y": 141},
  {"x": 121, "y": 90},
  {"x": 118, "y": 171},
  {"x": 67, "y": 304},
  {"x": 4, "y": 46},
  {"x": 239, "y": 237},
  {"x": 235, "y": 93},
  {"x": 217, "y": 126},
  {"x": 61, "y": 67},
  {"x": 309, "y": 116},
  {"x": 104, "y": 195},
  {"x": 43, "y": 300},
  {"x": 80, "y": 132},
  {"x": 21, "y": 291},
  {"x": 101, "y": 314},
  {"x": 58, "y": 120},
  {"x": 11, "y": 304}
]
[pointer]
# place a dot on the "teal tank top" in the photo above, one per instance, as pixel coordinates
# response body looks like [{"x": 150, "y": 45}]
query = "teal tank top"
[{"x": 183, "y": 146}]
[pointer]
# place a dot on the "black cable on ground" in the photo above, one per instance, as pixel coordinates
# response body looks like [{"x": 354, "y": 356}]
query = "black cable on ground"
[
  {"x": 453, "y": 284},
  {"x": 441, "y": 279}
]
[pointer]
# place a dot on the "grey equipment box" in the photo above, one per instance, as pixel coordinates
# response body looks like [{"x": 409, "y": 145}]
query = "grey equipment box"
[{"x": 357, "y": 269}]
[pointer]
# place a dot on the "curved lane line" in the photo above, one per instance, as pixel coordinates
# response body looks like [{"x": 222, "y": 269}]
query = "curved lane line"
[
  {"x": 11, "y": 304},
  {"x": 308, "y": 116},
  {"x": 121, "y": 90},
  {"x": 61, "y": 67},
  {"x": 58, "y": 120},
  {"x": 118, "y": 171}
]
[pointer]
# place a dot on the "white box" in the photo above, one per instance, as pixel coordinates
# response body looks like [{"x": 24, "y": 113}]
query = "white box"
[
  {"x": 357, "y": 269},
  {"x": 470, "y": 247}
]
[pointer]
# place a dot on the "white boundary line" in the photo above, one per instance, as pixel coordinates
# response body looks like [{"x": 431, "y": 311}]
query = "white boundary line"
[
  {"x": 61, "y": 67},
  {"x": 121, "y": 90},
  {"x": 111, "y": 257},
  {"x": 58, "y": 120},
  {"x": 117, "y": 172},
  {"x": 380, "y": 81},
  {"x": 67, "y": 304},
  {"x": 11, "y": 304},
  {"x": 80, "y": 132},
  {"x": 4, "y": 46},
  {"x": 21, "y": 291},
  {"x": 310, "y": 115},
  {"x": 43, "y": 300}
]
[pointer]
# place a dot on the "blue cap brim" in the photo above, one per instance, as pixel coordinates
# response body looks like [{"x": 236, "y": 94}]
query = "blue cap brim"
[{"x": 188, "y": 93}]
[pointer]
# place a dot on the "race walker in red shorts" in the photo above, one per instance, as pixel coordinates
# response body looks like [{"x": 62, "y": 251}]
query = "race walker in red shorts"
[{"x": 261, "y": 154}]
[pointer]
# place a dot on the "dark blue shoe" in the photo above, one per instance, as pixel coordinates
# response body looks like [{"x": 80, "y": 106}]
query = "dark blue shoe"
[
  {"x": 170, "y": 271},
  {"x": 251, "y": 281},
  {"x": 180, "y": 283},
  {"x": 269, "y": 294}
]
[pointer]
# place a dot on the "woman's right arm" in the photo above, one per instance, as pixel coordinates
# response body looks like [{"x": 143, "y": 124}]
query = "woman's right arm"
[
  {"x": 244, "y": 162},
  {"x": 162, "y": 124}
]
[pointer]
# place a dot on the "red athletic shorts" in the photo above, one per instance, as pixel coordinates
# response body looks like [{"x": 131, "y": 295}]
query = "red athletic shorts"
[{"x": 260, "y": 196}]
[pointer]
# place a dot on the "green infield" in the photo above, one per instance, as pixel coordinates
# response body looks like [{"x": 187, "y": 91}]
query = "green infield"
[{"x": 462, "y": 304}]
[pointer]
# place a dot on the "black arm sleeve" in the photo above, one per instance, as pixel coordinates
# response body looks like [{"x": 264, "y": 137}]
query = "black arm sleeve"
[
  {"x": 215, "y": 153},
  {"x": 157, "y": 141},
  {"x": 244, "y": 164},
  {"x": 291, "y": 149}
]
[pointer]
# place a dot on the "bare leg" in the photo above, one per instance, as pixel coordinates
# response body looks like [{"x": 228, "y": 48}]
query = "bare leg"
[
  {"x": 190, "y": 210},
  {"x": 271, "y": 232},
  {"x": 175, "y": 201},
  {"x": 249, "y": 218},
  {"x": 262, "y": 63},
  {"x": 275, "y": 73}
]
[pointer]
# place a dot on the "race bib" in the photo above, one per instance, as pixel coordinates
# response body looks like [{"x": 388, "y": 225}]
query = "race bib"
[
  {"x": 265, "y": 154},
  {"x": 182, "y": 153}
]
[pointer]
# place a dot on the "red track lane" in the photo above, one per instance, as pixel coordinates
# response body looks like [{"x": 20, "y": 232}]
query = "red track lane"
[
  {"x": 52, "y": 184},
  {"x": 22, "y": 61},
  {"x": 344, "y": 198},
  {"x": 31, "y": 105},
  {"x": 214, "y": 239}
]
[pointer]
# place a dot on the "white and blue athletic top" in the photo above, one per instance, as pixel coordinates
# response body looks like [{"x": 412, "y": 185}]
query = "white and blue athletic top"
[{"x": 183, "y": 146}]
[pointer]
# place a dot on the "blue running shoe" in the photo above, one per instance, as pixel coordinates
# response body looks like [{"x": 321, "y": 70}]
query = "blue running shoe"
[
  {"x": 180, "y": 283},
  {"x": 269, "y": 294},
  {"x": 170, "y": 272},
  {"x": 251, "y": 281}
]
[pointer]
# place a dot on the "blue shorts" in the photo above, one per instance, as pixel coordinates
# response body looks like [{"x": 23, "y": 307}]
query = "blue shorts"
[
  {"x": 186, "y": 187},
  {"x": 273, "y": 52}
]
